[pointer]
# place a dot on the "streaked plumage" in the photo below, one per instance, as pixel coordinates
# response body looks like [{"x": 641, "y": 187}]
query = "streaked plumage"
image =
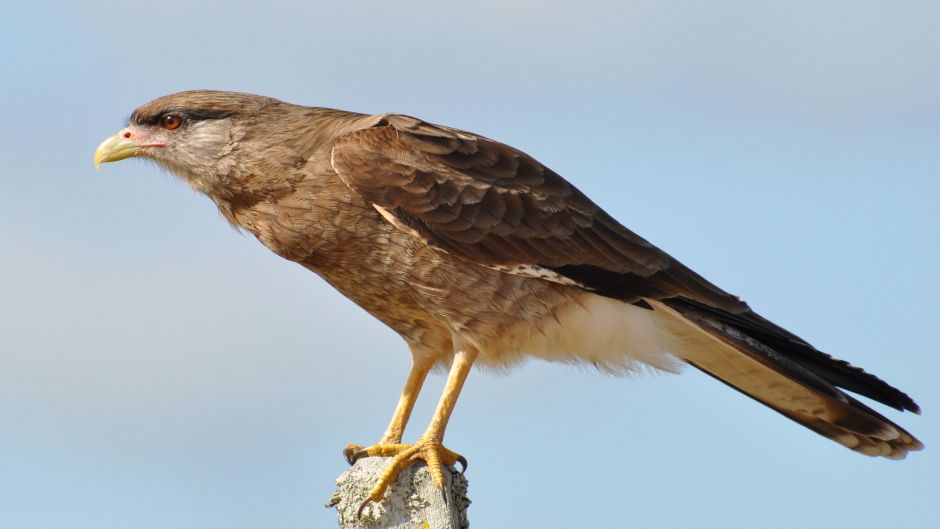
[{"x": 461, "y": 243}]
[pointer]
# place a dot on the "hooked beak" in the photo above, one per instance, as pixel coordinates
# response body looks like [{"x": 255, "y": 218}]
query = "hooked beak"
[{"x": 117, "y": 147}]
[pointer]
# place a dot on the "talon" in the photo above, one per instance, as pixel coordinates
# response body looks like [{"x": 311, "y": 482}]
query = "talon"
[
  {"x": 463, "y": 463},
  {"x": 362, "y": 507},
  {"x": 352, "y": 453}
]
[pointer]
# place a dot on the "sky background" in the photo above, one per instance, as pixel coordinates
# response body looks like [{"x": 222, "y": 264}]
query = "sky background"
[{"x": 158, "y": 369}]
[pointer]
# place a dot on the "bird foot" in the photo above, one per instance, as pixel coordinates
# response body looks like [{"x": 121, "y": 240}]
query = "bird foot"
[{"x": 403, "y": 455}]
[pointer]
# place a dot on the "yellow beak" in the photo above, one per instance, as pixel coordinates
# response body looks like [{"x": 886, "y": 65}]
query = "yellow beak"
[{"x": 115, "y": 148}]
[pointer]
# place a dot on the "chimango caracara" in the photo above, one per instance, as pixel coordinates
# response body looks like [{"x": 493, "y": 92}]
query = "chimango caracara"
[{"x": 475, "y": 253}]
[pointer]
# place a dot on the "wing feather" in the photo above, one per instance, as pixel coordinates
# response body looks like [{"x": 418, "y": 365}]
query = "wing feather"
[{"x": 487, "y": 202}]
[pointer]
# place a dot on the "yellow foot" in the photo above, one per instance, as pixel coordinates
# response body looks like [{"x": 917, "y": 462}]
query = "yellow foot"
[
  {"x": 354, "y": 453},
  {"x": 403, "y": 455}
]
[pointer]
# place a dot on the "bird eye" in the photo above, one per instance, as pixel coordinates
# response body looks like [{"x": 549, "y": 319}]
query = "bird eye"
[{"x": 171, "y": 121}]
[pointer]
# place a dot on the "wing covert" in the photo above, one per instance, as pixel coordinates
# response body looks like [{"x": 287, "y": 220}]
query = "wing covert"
[{"x": 492, "y": 204}]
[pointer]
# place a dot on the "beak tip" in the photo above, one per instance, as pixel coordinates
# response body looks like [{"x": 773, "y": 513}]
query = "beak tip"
[{"x": 114, "y": 148}]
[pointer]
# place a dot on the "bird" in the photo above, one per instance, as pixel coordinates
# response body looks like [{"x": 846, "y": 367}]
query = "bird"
[{"x": 476, "y": 254}]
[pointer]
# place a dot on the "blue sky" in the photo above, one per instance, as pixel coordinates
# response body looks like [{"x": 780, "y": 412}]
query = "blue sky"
[{"x": 161, "y": 370}]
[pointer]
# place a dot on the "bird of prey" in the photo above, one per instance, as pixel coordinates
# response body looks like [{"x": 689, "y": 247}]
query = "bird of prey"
[{"x": 476, "y": 253}]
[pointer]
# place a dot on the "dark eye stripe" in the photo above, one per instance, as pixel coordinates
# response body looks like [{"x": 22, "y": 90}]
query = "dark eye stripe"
[{"x": 187, "y": 114}]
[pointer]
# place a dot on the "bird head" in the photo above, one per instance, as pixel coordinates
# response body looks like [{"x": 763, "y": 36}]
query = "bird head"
[{"x": 194, "y": 134}]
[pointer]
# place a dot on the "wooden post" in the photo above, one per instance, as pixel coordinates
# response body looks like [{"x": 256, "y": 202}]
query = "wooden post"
[{"x": 412, "y": 502}]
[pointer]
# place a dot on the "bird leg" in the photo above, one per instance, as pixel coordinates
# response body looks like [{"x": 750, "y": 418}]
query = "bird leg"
[
  {"x": 390, "y": 443},
  {"x": 429, "y": 446}
]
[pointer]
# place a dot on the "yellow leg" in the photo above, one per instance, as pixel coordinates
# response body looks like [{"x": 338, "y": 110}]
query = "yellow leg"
[
  {"x": 390, "y": 443},
  {"x": 406, "y": 403},
  {"x": 429, "y": 446}
]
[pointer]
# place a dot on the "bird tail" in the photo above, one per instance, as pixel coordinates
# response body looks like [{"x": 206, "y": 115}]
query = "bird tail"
[{"x": 796, "y": 381}]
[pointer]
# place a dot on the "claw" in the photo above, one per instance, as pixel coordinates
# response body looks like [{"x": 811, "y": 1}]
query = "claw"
[
  {"x": 463, "y": 463},
  {"x": 352, "y": 453}
]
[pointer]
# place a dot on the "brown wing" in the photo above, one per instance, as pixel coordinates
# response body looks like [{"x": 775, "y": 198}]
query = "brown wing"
[{"x": 495, "y": 205}]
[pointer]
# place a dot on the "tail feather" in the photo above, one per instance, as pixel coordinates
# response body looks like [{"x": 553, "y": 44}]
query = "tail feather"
[
  {"x": 837, "y": 372},
  {"x": 782, "y": 383}
]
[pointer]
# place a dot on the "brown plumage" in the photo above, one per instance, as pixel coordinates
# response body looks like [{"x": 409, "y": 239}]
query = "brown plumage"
[{"x": 475, "y": 252}]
